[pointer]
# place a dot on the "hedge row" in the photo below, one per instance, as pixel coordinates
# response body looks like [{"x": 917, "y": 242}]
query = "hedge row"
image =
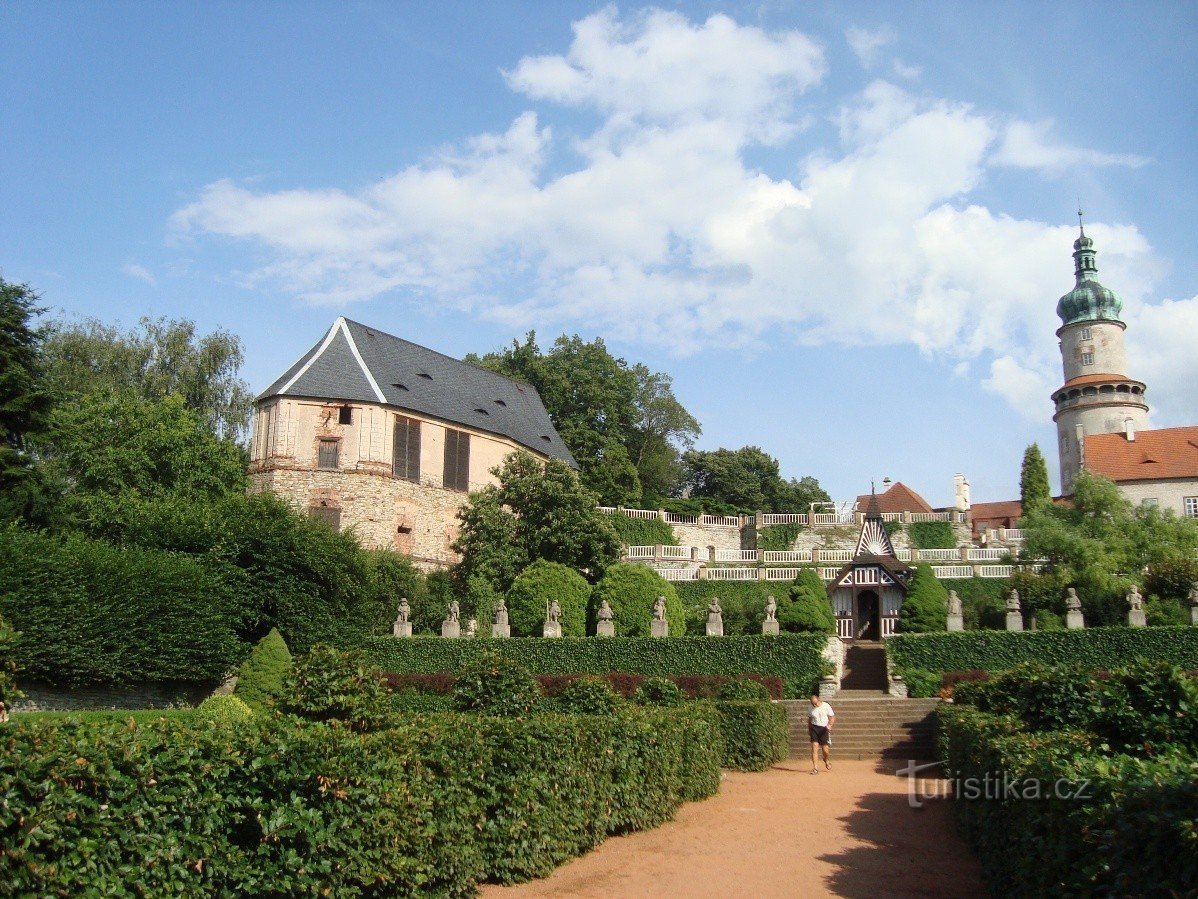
[
  {"x": 278, "y": 807},
  {"x": 1104, "y": 647},
  {"x": 642, "y": 531},
  {"x": 756, "y": 734},
  {"x": 796, "y": 658},
  {"x": 695, "y": 686}
]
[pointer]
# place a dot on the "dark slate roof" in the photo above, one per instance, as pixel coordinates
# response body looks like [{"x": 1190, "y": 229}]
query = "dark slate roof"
[{"x": 356, "y": 363}]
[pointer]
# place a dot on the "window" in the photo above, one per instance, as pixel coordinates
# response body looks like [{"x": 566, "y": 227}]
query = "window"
[
  {"x": 1085, "y": 333},
  {"x": 1087, "y": 358},
  {"x": 1189, "y": 507},
  {"x": 345, "y": 415},
  {"x": 329, "y": 515},
  {"x": 457, "y": 460},
  {"x": 406, "y": 462},
  {"x": 327, "y": 453},
  {"x": 1150, "y": 502}
]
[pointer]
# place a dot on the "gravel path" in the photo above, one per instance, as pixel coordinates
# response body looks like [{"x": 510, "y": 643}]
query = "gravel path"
[{"x": 783, "y": 832}]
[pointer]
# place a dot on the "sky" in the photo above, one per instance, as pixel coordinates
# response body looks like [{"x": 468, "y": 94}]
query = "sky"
[{"x": 841, "y": 227}]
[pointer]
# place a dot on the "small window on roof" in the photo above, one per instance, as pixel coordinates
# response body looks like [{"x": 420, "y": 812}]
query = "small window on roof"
[
  {"x": 345, "y": 415},
  {"x": 483, "y": 411},
  {"x": 425, "y": 375},
  {"x": 547, "y": 438},
  {"x": 400, "y": 386},
  {"x": 500, "y": 403}
]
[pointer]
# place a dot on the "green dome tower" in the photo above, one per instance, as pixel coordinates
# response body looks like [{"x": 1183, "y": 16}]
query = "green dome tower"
[{"x": 1097, "y": 397}]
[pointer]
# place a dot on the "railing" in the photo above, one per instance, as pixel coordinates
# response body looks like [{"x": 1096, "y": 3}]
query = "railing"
[
  {"x": 677, "y": 552},
  {"x": 889, "y": 626},
  {"x": 786, "y": 555},
  {"x": 844, "y": 628},
  {"x": 996, "y": 570},
  {"x": 978, "y": 554},
  {"x": 892, "y": 516},
  {"x": 827, "y": 573},
  {"x": 835, "y": 555},
  {"x": 732, "y": 574},
  {"x": 903, "y": 555},
  {"x": 833, "y": 518},
  {"x": 1014, "y": 533},
  {"x": 678, "y": 574},
  {"x": 631, "y": 513},
  {"x": 674, "y": 518},
  {"x": 954, "y": 571},
  {"x": 736, "y": 555},
  {"x": 722, "y": 521},
  {"x": 781, "y": 574},
  {"x": 939, "y": 555},
  {"x": 782, "y": 518},
  {"x": 642, "y": 552},
  {"x": 931, "y": 516}
]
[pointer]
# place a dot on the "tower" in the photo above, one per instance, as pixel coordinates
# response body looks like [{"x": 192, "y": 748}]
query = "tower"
[{"x": 1097, "y": 397}]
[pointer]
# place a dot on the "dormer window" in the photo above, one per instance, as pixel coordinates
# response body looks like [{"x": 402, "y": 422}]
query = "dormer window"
[
  {"x": 500, "y": 403},
  {"x": 425, "y": 375}
]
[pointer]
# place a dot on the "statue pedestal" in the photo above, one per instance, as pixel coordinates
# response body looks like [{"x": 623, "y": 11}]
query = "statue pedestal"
[
  {"x": 501, "y": 631},
  {"x": 1074, "y": 620},
  {"x": 451, "y": 629},
  {"x": 828, "y": 685},
  {"x": 1014, "y": 621},
  {"x": 552, "y": 629},
  {"x": 1135, "y": 618},
  {"x": 605, "y": 629},
  {"x": 955, "y": 623},
  {"x": 1194, "y": 615},
  {"x": 659, "y": 628},
  {"x": 715, "y": 628},
  {"x": 401, "y": 629},
  {"x": 769, "y": 628}
]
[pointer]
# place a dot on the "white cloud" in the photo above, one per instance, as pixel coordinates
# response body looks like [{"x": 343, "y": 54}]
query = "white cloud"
[
  {"x": 663, "y": 232},
  {"x": 906, "y": 72},
  {"x": 1160, "y": 352},
  {"x": 1028, "y": 145},
  {"x": 140, "y": 272},
  {"x": 866, "y": 42}
]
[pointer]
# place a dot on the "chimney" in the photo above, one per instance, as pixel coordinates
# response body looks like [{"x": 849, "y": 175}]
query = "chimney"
[
  {"x": 961, "y": 492},
  {"x": 1129, "y": 430},
  {"x": 885, "y": 484}
]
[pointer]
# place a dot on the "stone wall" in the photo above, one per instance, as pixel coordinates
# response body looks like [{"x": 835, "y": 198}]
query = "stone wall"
[
  {"x": 44, "y": 697},
  {"x": 1168, "y": 494},
  {"x": 719, "y": 536}
]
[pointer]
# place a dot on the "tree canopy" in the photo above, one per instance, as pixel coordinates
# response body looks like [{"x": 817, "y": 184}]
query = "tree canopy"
[
  {"x": 25, "y": 398},
  {"x": 747, "y": 480},
  {"x": 1033, "y": 479}
]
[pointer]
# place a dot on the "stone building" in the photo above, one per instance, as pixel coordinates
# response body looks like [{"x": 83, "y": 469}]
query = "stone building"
[{"x": 371, "y": 432}]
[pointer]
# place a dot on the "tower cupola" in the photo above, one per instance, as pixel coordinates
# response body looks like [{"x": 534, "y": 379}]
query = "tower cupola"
[{"x": 1088, "y": 301}]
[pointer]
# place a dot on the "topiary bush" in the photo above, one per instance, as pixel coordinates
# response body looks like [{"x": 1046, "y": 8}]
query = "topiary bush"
[
  {"x": 225, "y": 707},
  {"x": 756, "y": 734},
  {"x": 805, "y": 608},
  {"x": 337, "y": 687},
  {"x": 925, "y": 607},
  {"x": 493, "y": 685},
  {"x": 631, "y": 590},
  {"x": 742, "y": 689},
  {"x": 588, "y": 696},
  {"x": 530, "y": 594},
  {"x": 260, "y": 678},
  {"x": 659, "y": 691}
]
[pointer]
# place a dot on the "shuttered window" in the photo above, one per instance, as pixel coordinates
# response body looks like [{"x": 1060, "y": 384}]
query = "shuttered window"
[
  {"x": 457, "y": 460},
  {"x": 326, "y": 454},
  {"x": 406, "y": 462}
]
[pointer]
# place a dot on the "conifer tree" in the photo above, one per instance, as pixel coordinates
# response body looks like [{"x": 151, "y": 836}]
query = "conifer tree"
[
  {"x": 926, "y": 606},
  {"x": 806, "y": 609},
  {"x": 1033, "y": 479},
  {"x": 260, "y": 680}
]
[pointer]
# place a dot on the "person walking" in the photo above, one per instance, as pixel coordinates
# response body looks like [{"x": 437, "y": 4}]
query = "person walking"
[{"x": 819, "y": 726}]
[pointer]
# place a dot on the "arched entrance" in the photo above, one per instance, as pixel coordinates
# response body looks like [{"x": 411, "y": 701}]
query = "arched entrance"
[{"x": 867, "y": 619}]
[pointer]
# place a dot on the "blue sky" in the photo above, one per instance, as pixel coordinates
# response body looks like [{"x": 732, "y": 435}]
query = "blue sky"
[{"x": 842, "y": 228}]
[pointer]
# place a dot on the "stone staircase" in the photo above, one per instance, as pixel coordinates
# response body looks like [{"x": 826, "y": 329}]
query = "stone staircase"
[
  {"x": 865, "y": 667},
  {"x": 870, "y": 725}
]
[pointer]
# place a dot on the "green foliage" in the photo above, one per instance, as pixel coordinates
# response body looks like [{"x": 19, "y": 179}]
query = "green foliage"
[
  {"x": 925, "y": 607},
  {"x": 530, "y": 594},
  {"x": 1171, "y": 578},
  {"x": 1094, "y": 648},
  {"x": 336, "y": 687},
  {"x": 795, "y": 658},
  {"x": 743, "y": 689},
  {"x": 778, "y": 537},
  {"x": 892, "y": 527},
  {"x": 1099, "y": 541},
  {"x": 260, "y": 678},
  {"x": 756, "y": 734},
  {"x": 747, "y": 480},
  {"x": 659, "y": 691},
  {"x": 537, "y": 511},
  {"x": 158, "y": 359},
  {"x": 495, "y": 685},
  {"x": 631, "y": 590},
  {"x": 982, "y": 601},
  {"x": 932, "y": 535},
  {"x": 1034, "y": 492},
  {"x": 588, "y": 696},
  {"x": 806, "y": 608},
  {"x": 743, "y": 603},
  {"x": 920, "y": 683},
  {"x": 225, "y": 707},
  {"x": 25, "y": 400},
  {"x": 642, "y": 531},
  {"x": 8, "y": 666},
  {"x": 1128, "y": 742},
  {"x": 93, "y": 613},
  {"x": 1160, "y": 612}
]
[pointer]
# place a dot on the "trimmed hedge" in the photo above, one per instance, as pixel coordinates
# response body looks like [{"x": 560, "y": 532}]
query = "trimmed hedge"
[
  {"x": 796, "y": 658},
  {"x": 695, "y": 686},
  {"x": 756, "y": 734},
  {"x": 1100, "y": 647},
  {"x": 642, "y": 531},
  {"x": 194, "y": 806},
  {"x": 260, "y": 678},
  {"x": 529, "y": 596}
]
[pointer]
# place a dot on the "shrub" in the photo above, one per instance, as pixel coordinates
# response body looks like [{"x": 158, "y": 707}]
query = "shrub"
[
  {"x": 8, "y": 667},
  {"x": 806, "y": 608},
  {"x": 982, "y": 601},
  {"x": 530, "y": 594},
  {"x": 494, "y": 685},
  {"x": 588, "y": 696},
  {"x": 631, "y": 590},
  {"x": 920, "y": 683},
  {"x": 932, "y": 535},
  {"x": 659, "y": 691},
  {"x": 225, "y": 707},
  {"x": 794, "y": 658},
  {"x": 702, "y": 750},
  {"x": 1165, "y": 612},
  {"x": 756, "y": 734},
  {"x": 408, "y": 702},
  {"x": 743, "y": 603},
  {"x": 260, "y": 679},
  {"x": 1094, "y": 648},
  {"x": 338, "y": 687},
  {"x": 642, "y": 531},
  {"x": 1171, "y": 579},
  {"x": 742, "y": 689},
  {"x": 925, "y": 607}
]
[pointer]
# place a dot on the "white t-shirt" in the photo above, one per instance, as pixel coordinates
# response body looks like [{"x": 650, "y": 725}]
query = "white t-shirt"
[{"x": 819, "y": 715}]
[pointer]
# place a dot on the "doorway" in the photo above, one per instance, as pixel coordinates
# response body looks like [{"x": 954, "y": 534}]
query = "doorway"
[{"x": 867, "y": 623}]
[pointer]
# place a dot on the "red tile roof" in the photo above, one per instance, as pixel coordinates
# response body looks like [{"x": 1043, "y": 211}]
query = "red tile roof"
[
  {"x": 1095, "y": 379},
  {"x": 1008, "y": 508},
  {"x": 1162, "y": 453},
  {"x": 899, "y": 498}
]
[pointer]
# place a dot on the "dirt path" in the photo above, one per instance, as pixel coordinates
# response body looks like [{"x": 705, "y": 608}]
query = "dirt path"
[{"x": 845, "y": 832}]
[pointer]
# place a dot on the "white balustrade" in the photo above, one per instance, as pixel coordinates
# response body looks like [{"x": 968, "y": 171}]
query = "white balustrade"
[
  {"x": 722, "y": 521},
  {"x": 835, "y": 555},
  {"x": 995, "y": 570},
  {"x": 844, "y": 628},
  {"x": 640, "y": 513},
  {"x": 786, "y": 555},
  {"x": 939, "y": 555},
  {"x": 736, "y": 555},
  {"x": 1014, "y": 534},
  {"x": 979, "y": 554},
  {"x": 673, "y": 518},
  {"x": 889, "y": 626},
  {"x": 931, "y": 516},
  {"x": 903, "y": 555},
  {"x": 642, "y": 552},
  {"x": 827, "y": 573},
  {"x": 782, "y": 574},
  {"x": 952, "y": 571},
  {"x": 676, "y": 552},
  {"x": 732, "y": 574},
  {"x": 608, "y": 510},
  {"x": 892, "y": 516},
  {"x": 782, "y": 518},
  {"x": 678, "y": 574}
]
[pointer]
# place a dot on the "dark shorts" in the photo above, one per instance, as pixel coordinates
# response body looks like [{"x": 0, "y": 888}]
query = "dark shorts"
[{"x": 820, "y": 735}]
